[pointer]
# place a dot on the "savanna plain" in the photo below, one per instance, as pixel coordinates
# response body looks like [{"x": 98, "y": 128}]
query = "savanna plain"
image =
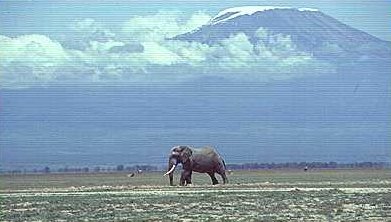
[{"x": 262, "y": 195}]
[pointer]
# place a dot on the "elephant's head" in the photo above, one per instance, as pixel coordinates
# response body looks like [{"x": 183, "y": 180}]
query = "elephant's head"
[{"x": 179, "y": 154}]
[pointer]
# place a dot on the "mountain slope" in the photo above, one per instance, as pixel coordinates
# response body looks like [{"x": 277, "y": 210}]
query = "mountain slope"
[{"x": 311, "y": 30}]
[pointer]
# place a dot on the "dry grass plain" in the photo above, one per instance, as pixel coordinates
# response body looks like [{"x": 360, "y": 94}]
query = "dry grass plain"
[{"x": 265, "y": 195}]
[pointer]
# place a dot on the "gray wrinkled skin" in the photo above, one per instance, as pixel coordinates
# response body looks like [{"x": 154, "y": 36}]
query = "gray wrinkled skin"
[{"x": 203, "y": 160}]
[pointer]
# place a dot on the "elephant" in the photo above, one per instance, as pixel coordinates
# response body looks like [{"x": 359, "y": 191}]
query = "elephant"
[{"x": 203, "y": 160}]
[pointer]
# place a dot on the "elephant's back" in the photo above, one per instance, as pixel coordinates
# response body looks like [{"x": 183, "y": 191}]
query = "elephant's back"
[
  {"x": 208, "y": 151},
  {"x": 205, "y": 159}
]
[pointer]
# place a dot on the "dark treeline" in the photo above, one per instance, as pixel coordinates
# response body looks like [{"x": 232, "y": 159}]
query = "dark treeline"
[
  {"x": 96, "y": 169},
  {"x": 309, "y": 165},
  {"x": 244, "y": 166},
  {"x": 117, "y": 168}
]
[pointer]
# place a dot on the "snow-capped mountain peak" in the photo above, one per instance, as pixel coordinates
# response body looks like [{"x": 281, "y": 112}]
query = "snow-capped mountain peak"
[
  {"x": 309, "y": 30},
  {"x": 231, "y": 13}
]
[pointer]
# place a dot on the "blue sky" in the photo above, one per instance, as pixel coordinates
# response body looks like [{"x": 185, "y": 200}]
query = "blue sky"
[{"x": 49, "y": 17}]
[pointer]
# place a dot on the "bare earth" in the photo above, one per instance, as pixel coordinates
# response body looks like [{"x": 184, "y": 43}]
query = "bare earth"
[{"x": 317, "y": 195}]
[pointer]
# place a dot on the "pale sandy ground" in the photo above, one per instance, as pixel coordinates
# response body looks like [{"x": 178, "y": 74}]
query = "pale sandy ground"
[{"x": 317, "y": 201}]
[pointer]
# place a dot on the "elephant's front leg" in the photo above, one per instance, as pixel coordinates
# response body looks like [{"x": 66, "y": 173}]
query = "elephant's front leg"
[
  {"x": 171, "y": 176},
  {"x": 185, "y": 177}
]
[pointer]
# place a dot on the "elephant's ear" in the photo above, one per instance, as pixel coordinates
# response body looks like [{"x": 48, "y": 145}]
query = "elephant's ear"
[{"x": 186, "y": 154}]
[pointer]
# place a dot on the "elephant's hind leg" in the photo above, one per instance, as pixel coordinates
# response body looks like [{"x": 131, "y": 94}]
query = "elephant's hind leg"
[
  {"x": 214, "y": 180},
  {"x": 221, "y": 171},
  {"x": 225, "y": 179}
]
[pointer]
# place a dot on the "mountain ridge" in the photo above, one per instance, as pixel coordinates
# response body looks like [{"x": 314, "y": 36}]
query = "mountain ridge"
[
  {"x": 311, "y": 30},
  {"x": 248, "y": 10}
]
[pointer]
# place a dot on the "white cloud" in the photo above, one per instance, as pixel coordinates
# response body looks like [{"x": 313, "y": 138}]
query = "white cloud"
[
  {"x": 31, "y": 48},
  {"x": 158, "y": 55},
  {"x": 236, "y": 57},
  {"x": 81, "y": 34},
  {"x": 30, "y": 59},
  {"x": 162, "y": 25},
  {"x": 104, "y": 46},
  {"x": 142, "y": 52}
]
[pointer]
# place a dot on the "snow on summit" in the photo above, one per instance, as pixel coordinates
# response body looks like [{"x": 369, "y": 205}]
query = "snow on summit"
[{"x": 231, "y": 13}]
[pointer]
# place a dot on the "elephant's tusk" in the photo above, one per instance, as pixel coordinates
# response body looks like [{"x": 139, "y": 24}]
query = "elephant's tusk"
[{"x": 170, "y": 171}]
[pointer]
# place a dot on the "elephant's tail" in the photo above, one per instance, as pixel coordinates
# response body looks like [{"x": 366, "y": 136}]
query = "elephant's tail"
[{"x": 225, "y": 167}]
